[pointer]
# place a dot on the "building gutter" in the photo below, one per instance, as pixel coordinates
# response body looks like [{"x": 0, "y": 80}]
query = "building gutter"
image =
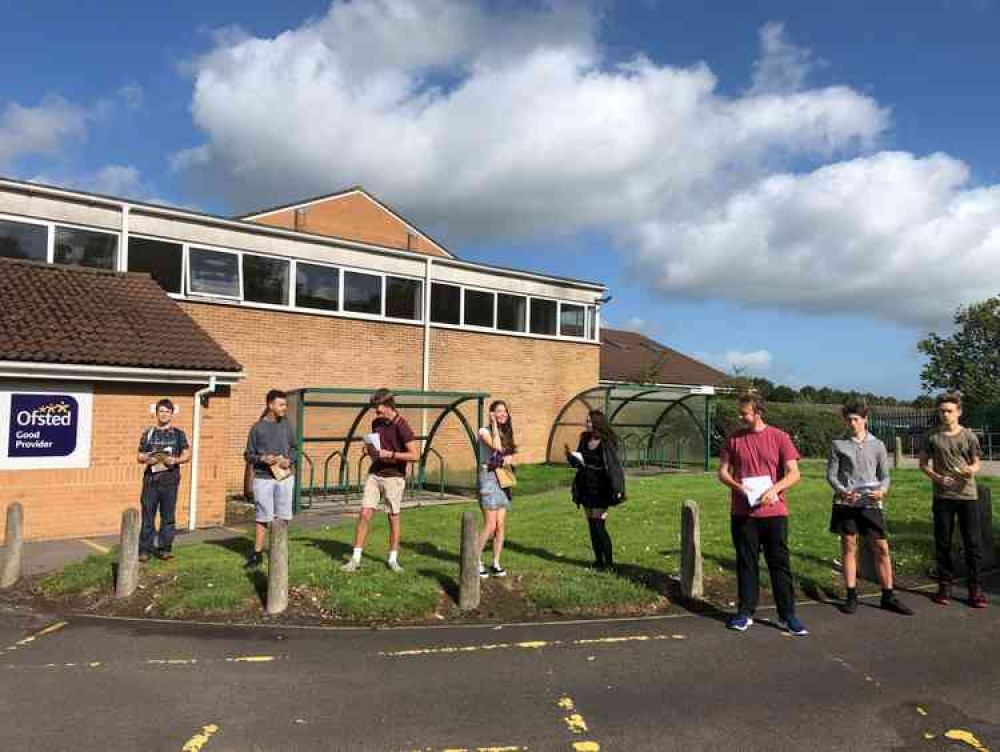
[
  {"x": 195, "y": 447},
  {"x": 16, "y": 369}
]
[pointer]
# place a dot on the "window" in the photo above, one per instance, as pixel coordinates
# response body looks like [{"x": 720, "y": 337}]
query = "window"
[
  {"x": 162, "y": 261},
  {"x": 317, "y": 287},
  {"x": 479, "y": 308},
  {"x": 213, "y": 273},
  {"x": 592, "y": 322},
  {"x": 23, "y": 241},
  {"x": 98, "y": 250},
  {"x": 404, "y": 298},
  {"x": 571, "y": 320},
  {"x": 446, "y": 304},
  {"x": 543, "y": 316},
  {"x": 512, "y": 313},
  {"x": 362, "y": 293},
  {"x": 265, "y": 280}
]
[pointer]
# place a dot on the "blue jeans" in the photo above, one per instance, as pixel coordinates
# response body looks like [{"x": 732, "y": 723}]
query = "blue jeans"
[{"x": 159, "y": 494}]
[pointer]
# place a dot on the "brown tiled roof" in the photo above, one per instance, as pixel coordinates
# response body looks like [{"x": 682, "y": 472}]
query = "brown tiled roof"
[
  {"x": 59, "y": 314},
  {"x": 632, "y": 357}
]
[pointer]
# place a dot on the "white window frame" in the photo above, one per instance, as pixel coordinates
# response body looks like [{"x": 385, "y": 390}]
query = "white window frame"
[
  {"x": 272, "y": 306},
  {"x": 478, "y": 327},
  {"x": 540, "y": 334},
  {"x": 340, "y": 288},
  {"x": 527, "y": 311},
  {"x": 53, "y": 226},
  {"x": 461, "y": 305},
  {"x": 385, "y": 296},
  {"x": 239, "y": 274},
  {"x": 343, "y": 283},
  {"x": 559, "y": 323},
  {"x": 183, "y": 247},
  {"x": 50, "y": 232}
]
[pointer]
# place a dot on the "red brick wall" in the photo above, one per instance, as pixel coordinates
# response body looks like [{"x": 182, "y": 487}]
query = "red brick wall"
[{"x": 90, "y": 501}]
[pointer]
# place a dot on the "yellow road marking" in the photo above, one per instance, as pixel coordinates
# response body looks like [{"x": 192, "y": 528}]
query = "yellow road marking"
[
  {"x": 921, "y": 710},
  {"x": 527, "y": 645},
  {"x": 577, "y": 725},
  {"x": 586, "y": 747},
  {"x": 95, "y": 546},
  {"x": 31, "y": 638},
  {"x": 52, "y": 628},
  {"x": 966, "y": 737},
  {"x": 251, "y": 659},
  {"x": 153, "y": 662},
  {"x": 197, "y": 742}
]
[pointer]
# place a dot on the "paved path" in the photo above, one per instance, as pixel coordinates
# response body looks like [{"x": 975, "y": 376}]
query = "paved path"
[
  {"x": 990, "y": 467},
  {"x": 872, "y": 681}
]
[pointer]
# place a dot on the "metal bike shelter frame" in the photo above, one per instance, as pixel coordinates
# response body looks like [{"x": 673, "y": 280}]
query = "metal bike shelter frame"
[
  {"x": 615, "y": 399},
  {"x": 441, "y": 403}
]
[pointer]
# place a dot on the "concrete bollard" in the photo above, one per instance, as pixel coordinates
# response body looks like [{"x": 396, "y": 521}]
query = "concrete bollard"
[
  {"x": 128, "y": 554},
  {"x": 10, "y": 560},
  {"x": 277, "y": 568},
  {"x": 692, "y": 576},
  {"x": 468, "y": 586},
  {"x": 897, "y": 453}
]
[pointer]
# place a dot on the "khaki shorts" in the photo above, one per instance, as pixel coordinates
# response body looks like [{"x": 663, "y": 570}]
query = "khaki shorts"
[{"x": 378, "y": 488}]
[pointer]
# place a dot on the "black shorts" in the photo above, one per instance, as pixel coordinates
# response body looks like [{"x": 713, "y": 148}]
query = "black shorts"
[{"x": 847, "y": 520}]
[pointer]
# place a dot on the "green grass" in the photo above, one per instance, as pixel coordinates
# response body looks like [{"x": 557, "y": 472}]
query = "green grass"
[{"x": 547, "y": 553}]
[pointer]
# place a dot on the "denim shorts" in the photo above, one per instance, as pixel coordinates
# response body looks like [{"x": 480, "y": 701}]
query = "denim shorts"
[
  {"x": 273, "y": 498},
  {"x": 491, "y": 496}
]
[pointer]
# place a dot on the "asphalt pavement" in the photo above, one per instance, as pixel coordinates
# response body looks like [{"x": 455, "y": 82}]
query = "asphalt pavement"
[{"x": 871, "y": 681}]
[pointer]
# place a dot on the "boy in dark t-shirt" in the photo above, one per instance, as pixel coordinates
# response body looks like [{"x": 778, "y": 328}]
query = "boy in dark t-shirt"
[
  {"x": 162, "y": 449},
  {"x": 396, "y": 446},
  {"x": 951, "y": 460}
]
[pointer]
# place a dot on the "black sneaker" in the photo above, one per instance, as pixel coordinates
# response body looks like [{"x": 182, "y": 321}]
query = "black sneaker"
[
  {"x": 850, "y": 603},
  {"x": 497, "y": 571},
  {"x": 892, "y": 603},
  {"x": 254, "y": 560}
]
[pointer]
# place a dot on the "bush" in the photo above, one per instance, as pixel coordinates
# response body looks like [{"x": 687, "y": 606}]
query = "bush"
[{"x": 811, "y": 427}]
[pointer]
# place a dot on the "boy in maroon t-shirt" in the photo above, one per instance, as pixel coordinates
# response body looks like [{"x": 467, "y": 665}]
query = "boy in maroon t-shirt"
[
  {"x": 386, "y": 477},
  {"x": 759, "y": 463}
]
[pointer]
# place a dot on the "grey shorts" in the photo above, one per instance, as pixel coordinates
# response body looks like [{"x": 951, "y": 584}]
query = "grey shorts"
[
  {"x": 491, "y": 496},
  {"x": 273, "y": 498}
]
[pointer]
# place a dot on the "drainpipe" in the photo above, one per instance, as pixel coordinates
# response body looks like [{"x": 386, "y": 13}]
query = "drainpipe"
[
  {"x": 195, "y": 446},
  {"x": 426, "y": 374}
]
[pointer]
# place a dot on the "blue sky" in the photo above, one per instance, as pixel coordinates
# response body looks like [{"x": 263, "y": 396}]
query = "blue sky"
[{"x": 728, "y": 250}]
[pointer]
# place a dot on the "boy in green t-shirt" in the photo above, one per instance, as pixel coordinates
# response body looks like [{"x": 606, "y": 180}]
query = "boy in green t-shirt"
[{"x": 951, "y": 460}]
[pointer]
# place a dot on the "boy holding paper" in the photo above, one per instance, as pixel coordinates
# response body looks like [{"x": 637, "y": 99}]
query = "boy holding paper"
[
  {"x": 391, "y": 444},
  {"x": 162, "y": 450},
  {"x": 759, "y": 463},
  {"x": 858, "y": 472}
]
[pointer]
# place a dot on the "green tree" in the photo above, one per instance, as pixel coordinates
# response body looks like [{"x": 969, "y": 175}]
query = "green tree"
[{"x": 969, "y": 359}]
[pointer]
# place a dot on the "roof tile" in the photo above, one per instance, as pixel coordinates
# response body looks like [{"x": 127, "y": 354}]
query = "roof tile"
[{"x": 632, "y": 357}]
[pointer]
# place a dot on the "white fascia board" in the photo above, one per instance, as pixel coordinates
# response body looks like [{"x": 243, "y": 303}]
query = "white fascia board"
[{"x": 13, "y": 369}]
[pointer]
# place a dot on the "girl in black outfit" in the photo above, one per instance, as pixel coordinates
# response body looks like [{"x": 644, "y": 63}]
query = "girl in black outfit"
[{"x": 599, "y": 482}]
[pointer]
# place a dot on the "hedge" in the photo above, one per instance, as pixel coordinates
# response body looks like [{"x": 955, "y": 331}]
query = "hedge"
[{"x": 812, "y": 428}]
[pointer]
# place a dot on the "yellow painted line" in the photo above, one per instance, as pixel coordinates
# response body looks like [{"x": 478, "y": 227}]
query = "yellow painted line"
[
  {"x": 966, "y": 737},
  {"x": 566, "y": 703},
  {"x": 95, "y": 546},
  {"x": 921, "y": 710},
  {"x": 527, "y": 645},
  {"x": 52, "y": 628},
  {"x": 31, "y": 638},
  {"x": 251, "y": 659},
  {"x": 197, "y": 742},
  {"x": 586, "y": 747},
  {"x": 576, "y": 723}
]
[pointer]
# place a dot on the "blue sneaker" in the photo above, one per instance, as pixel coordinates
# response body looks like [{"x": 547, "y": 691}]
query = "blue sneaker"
[
  {"x": 793, "y": 626},
  {"x": 739, "y": 622}
]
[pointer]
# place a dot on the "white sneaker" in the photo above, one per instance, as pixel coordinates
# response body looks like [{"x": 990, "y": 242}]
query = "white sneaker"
[
  {"x": 395, "y": 566},
  {"x": 351, "y": 566},
  {"x": 482, "y": 571}
]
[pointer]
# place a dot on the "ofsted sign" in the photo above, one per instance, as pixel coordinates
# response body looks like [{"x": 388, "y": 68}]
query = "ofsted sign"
[{"x": 45, "y": 428}]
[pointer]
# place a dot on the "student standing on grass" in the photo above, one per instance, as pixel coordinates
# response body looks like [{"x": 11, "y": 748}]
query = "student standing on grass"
[
  {"x": 951, "y": 460},
  {"x": 759, "y": 463},
  {"x": 858, "y": 471},
  {"x": 599, "y": 483},
  {"x": 163, "y": 448},
  {"x": 271, "y": 449},
  {"x": 386, "y": 479},
  {"x": 497, "y": 451}
]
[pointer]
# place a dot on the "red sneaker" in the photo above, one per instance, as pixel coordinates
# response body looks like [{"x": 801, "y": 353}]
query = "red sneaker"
[
  {"x": 943, "y": 595},
  {"x": 976, "y": 597}
]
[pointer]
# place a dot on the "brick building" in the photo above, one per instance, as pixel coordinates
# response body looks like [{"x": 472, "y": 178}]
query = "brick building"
[{"x": 329, "y": 292}]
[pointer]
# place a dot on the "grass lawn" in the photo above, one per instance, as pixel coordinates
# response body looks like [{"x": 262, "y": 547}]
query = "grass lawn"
[{"x": 547, "y": 554}]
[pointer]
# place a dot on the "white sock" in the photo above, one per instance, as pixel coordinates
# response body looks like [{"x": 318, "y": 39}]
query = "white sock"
[
  {"x": 356, "y": 556},
  {"x": 496, "y": 562},
  {"x": 393, "y": 556}
]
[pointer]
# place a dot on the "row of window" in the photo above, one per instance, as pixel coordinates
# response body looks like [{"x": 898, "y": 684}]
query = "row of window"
[{"x": 241, "y": 276}]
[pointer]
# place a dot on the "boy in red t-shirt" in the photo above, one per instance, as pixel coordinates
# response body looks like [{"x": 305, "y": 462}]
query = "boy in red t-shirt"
[
  {"x": 386, "y": 480},
  {"x": 759, "y": 463}
]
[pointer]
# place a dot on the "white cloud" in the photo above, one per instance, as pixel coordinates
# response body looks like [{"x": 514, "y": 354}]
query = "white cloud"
[
  {"x": 481, "y": 125},
  {"x": 42, "y": 130},
  {"x": 636, "y": 324},
  {"x": 133, "y": 96},
  {"x": 745, "y": 363}
]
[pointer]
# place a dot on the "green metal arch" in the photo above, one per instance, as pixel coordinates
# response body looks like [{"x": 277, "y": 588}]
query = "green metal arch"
[
  {"x": 579, "y": 396},
  {"x": 633, "y": 398},
  {"x": 663, "y": 415},
  {"x": 350, "y": 439}
]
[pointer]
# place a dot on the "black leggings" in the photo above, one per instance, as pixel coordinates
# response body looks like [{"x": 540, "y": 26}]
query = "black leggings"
[{"x": 601, "y": 542}]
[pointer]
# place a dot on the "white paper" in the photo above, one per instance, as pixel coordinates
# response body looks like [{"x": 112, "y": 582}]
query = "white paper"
[
  {"x": 578, "y": 457},
  {"x": 755, "y": 487},
  {"x": 373, "y": 440}
]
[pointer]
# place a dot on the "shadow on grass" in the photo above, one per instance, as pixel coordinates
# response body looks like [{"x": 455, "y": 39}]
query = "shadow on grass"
[
  {"x": 338, "y": 551},
  {"x": 820, "y": 592},
  {"x": 448, "y": 584},
  {"x": 256, "y": 576},
  {"x": 432, "y": 551}
]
